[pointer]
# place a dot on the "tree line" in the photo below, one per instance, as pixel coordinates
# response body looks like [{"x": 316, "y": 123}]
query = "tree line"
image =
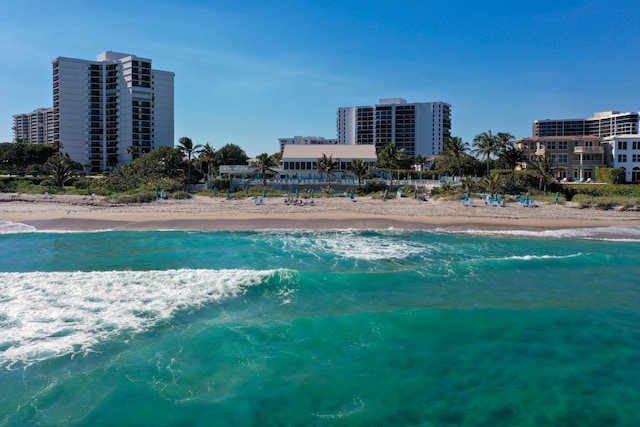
[{"x": 194, "y": 162}]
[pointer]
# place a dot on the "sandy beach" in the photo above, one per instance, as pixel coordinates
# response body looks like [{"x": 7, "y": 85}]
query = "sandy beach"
[{"x": 68, "y": 212}]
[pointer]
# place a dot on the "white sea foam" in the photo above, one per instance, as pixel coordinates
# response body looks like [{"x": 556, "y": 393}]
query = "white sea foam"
[
  {"x": 9, "y": 227},
  {"x": 349, "y": 244},
  {"x": 50, "y": 314},
  {"x": 617, "y": 233}
]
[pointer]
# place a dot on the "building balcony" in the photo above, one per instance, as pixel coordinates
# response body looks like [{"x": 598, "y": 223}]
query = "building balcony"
[
  {"x": 577, "y": 163},
  {"x": 588, "y": 150}
]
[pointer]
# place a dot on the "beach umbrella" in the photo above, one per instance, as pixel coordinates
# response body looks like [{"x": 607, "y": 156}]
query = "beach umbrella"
[
  {"x": 557, "y": 197},
  {"x": 264, "y": 193},
  {"x": 215, "y": 191},
  {"x": 297, "y": 193},
  {"x": 228, "y": 193}
]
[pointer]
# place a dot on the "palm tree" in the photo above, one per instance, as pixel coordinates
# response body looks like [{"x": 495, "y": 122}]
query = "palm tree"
[
  {"x": 544, "y": 169},
  {"x": 265, "y": 165},
  {"x": 493, "y": 183},
  {"x": 456, "y": 149},
  {"x": 186, "y": 146},
  {"x": 60, "y": 168},
  {"x": 327, "y": 164},
  {"x": 360, "y": 169},
  {"x": 511, "y": 156},
  {"x": 505, "y": 140},
  {"x": 209, "y": 158},
  {"x": 390, "y": 156},
  {"x": 486, "y": 145}
]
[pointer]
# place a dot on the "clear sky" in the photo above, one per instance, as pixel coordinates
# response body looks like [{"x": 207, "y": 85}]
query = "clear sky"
[{"x": 251, "y": 71}]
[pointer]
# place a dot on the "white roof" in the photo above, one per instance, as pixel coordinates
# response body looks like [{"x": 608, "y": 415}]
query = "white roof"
[{"x": 365, "y": 152}]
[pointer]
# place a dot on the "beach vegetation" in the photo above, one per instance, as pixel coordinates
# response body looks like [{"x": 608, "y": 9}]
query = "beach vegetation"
[
  {"x": 610, "y": 175},
  {"x": 328, "y": 191},
  {"x": 161, "y": 168},
  {"x": 264, "y": 165},
  {"x": 138, "y": 197},
  {"x": 494, "y": 183},
  {"x": 606, "y": 202},
  {"x": 544, "y": 168},
  {"x": 391, "y": 159},
  {"x": 486, "y": 146},
  {"x": 188, "y": 149},
  {"x": 360, "y": 169},
  {"x": 232, "y": 154},
  {"x": 455, "y": 148},
  {"x": 221, "y": 183},
  {"x": 375, "y": 186},
  {"x": 22, "y": 156},
  {"x": 510, "y": 158},
  {"x": 327, "y": 165},
  {"x": 444, "y": 191},
  {"x": 209, "y": 160},
  {"x": 62, "y": 168},
  {"x": 180, "y": 195}
]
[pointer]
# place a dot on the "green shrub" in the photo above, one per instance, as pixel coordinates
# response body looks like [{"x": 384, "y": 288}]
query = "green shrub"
[
  {"x": 221, "y": 184},
  {"x": 139, "y": 197},
  {"x": 181, "y": 195},
  {"x": 610, "y": 175},
  {"x": 375, "y": 186}
]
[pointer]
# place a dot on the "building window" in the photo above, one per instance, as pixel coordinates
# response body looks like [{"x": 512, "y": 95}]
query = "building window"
[
  {"x": 622, "y": 145},
  {"x": 563, "y": 158},
  {"x": 622, "y": 158},
  {"x": 562, "y": 145}
]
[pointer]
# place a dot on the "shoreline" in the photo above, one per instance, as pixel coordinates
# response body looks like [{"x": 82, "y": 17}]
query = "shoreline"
[{"x": 87, "y": 213}]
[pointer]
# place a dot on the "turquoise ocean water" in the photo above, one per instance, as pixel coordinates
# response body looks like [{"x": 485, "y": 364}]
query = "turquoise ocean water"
[{"x": 313, "y": 328}]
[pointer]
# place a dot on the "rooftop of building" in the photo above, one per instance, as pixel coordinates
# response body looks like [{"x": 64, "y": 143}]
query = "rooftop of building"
[
  {"x": 561, "y": 138},
  {"x": 363, "y": 151}
]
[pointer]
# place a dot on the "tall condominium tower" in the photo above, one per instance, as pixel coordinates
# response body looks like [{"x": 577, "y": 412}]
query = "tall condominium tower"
[
  {"x": 418, "y": 128},
  {"x": 604, "y": 124},
  {"x": 111, "y": 110},
  {"x": 35, "y": 127}
]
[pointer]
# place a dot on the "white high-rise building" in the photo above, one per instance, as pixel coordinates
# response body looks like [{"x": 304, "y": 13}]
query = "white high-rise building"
[
  {"x": 35, "y": 127},
  {"x": 111, "y": 110},
  {"x": 418, "y": 128}
]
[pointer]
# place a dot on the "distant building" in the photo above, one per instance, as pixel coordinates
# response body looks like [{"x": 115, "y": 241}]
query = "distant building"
[
  {"x": 300, "y": 161},
  {"x": 111, "y": 110},
  {"x": 418, "y": 128},
  {"x": 603, "y": 124},
  {"x": 306, "y": 140},
  {"x": 35, "y": 127},
  {"x": 624, "y": 152},
  {"x": 577, "y": 156}
]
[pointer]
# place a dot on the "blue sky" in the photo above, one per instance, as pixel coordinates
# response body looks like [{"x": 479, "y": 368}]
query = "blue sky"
[{"x": 249, "y": 72}]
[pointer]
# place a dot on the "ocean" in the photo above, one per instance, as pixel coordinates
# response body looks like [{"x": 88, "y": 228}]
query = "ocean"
[{"x": 315, "y": 328}]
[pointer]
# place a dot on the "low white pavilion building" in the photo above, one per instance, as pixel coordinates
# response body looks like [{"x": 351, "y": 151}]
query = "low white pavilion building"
[{"x": 300, "y": 161}]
